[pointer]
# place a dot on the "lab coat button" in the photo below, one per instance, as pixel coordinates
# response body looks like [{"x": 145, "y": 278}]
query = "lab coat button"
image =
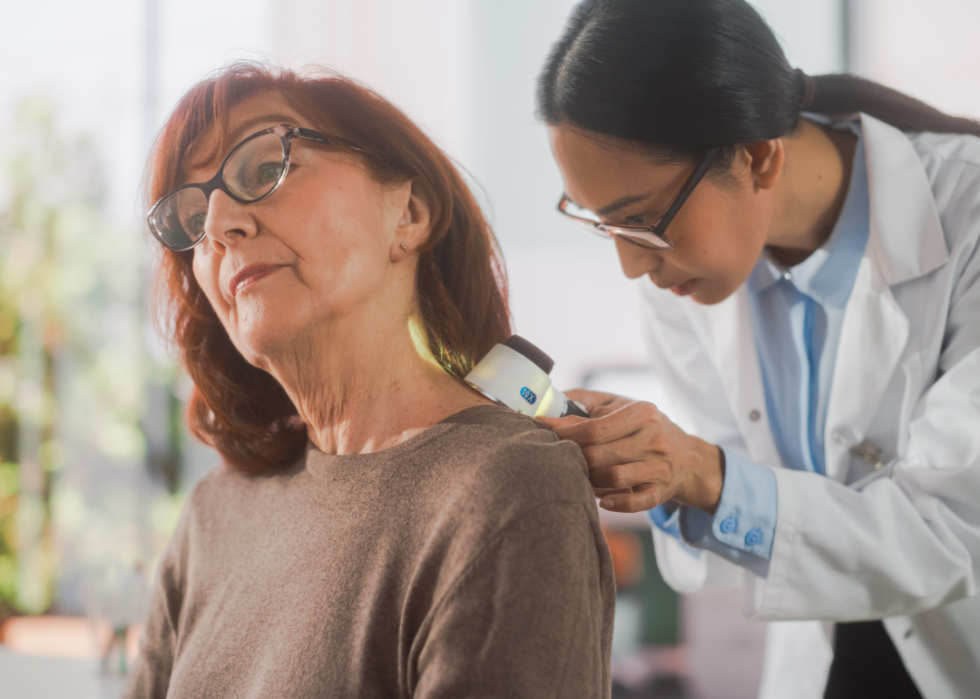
[
  {"x": 755, "y": 415},
  {"x": 788, "y": 276},
  {"x": 840, "y": 437},
  {"x": 729, "y": 524},
  {"x": 754, "y": 537}
]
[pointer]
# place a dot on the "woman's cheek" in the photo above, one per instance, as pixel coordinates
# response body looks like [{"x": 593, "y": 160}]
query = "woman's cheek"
[{"x": 207, "y": 272}]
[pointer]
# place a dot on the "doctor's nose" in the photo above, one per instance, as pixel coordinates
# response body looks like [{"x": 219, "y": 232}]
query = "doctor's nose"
[{"x": 635, "y": 260}]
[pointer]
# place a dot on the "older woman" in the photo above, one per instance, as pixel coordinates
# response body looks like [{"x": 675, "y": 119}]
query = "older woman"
[{"x": 377, "y": 528}]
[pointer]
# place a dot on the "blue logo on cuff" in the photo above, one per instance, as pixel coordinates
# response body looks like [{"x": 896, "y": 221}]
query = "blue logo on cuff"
[{"x": 528, "y": 395}]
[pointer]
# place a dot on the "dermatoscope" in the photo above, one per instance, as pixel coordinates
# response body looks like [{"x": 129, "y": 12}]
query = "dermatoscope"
[{"x": 516, "y": 374}]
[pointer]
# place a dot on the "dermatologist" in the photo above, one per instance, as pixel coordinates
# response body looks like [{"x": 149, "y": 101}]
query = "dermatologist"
[{"x": 808, "y": 249}]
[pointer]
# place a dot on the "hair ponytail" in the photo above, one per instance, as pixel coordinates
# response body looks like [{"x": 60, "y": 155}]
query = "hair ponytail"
[
  {"x": 685, "y": 76},
  {"x": 842, "y": 94}
]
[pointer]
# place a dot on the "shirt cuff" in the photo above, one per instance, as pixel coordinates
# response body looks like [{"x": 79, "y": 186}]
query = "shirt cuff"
[
  {"x": 743, "y": 526},
  {"x": 666, "y": 518}
]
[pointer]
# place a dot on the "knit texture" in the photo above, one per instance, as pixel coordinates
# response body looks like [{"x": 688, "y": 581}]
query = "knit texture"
[{"x": 464, "y": 562}]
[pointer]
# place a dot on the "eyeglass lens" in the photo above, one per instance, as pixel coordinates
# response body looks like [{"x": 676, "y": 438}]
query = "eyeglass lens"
[
  {"x": 592, "y": 223},
  {"x": 251, "y": 172}
]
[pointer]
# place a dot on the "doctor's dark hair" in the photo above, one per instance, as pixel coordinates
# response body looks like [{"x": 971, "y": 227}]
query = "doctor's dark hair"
[
  {"x": 461, "y": 287},
  {"x": 684, "y": 76}
]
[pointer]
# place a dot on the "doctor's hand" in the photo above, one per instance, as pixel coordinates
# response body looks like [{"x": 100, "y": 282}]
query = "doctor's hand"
[{"x": 638, "y": 458}]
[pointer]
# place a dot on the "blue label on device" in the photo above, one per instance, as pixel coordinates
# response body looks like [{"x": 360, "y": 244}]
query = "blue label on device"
[{"x": 528, "y": 395}]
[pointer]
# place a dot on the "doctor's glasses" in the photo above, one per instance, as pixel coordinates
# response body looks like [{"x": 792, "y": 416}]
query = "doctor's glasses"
[{"x": 650, "y": 237}]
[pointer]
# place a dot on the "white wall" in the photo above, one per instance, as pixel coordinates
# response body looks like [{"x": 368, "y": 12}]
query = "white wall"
[
  {"x": 811, "y": 32},
  {"x": 89, "y": 59},
  {"x": 929, "y": 50},
  {"x": 413, "y": 53}
]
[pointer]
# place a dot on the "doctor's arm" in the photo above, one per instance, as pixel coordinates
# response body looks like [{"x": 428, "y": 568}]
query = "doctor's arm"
[
  {"x": 701, "y": 492},
  {"x": 905, "y": 539}
]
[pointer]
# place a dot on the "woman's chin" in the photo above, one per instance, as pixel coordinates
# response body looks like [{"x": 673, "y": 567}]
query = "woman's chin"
[{"x": 258, "y": 341}]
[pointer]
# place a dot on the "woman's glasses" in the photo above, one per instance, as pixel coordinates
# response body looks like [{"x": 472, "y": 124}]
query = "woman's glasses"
[
  {"x": 650, "y": 237},
  {"x": 252, "y": 171}
]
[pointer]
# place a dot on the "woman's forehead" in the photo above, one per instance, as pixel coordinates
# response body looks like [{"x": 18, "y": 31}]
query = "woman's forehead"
[
  {"x": 258, "y": 112},
  {"x": 252, "y": 114}
]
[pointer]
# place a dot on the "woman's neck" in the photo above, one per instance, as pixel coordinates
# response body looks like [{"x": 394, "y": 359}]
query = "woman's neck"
[
  {"x": 813, "y": 188},
  {"x": 360, "y": 390}
]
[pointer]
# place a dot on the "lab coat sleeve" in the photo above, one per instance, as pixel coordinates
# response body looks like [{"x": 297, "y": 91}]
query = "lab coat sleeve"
[
  {"x": 907, "y": 538},
  {"x": 693, "y": 384}
]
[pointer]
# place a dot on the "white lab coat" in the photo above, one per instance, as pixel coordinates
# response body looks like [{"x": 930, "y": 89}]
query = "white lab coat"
[{"x": 901, "y": 542}]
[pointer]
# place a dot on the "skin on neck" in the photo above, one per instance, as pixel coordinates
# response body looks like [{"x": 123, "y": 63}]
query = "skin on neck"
[
  {"x": 811, "y": 192},
  {"x": 364, "y": 384}
]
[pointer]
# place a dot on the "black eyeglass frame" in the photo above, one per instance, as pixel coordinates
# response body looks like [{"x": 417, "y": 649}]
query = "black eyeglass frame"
[
  {"x": 218, "y": 182},
  {"x": 657, "y": 239}
]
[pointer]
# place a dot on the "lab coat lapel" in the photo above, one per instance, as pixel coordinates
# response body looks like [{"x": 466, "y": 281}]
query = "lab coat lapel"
[{"x": 905, "y": 241}]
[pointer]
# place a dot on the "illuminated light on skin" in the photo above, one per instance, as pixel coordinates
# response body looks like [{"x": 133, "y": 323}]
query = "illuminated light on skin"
[{"x": 420, "y": 338}]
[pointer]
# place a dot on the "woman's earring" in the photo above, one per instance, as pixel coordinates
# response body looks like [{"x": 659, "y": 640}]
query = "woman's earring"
[{"x": 403, "y": 246}]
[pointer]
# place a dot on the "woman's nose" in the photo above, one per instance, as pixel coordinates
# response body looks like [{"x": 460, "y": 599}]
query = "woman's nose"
[
  {"x": 636, "y": 261},
  {"x": 228, "y": 222}
]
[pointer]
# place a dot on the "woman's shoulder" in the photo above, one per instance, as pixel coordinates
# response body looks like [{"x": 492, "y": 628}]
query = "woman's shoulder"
[
  {"x": 226, "y": 489},
  {"x": 497, "y": 451}
]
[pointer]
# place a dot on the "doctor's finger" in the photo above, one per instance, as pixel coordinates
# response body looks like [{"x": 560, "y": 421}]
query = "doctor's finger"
[
  {"x": 644, "y": 497},
  {"x": 601, "y": 492},
  {"x": 623, "y": 476},
  {"x": 597, "y": 403},
  {"x": 599, "y": 430},
  {"x": 617, "y": 451}
]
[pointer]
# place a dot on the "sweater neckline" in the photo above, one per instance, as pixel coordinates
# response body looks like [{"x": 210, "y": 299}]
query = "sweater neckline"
[{"x": 341, "y": 466}]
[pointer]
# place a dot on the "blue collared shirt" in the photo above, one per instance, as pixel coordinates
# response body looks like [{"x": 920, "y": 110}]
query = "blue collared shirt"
[{"x": 797, "y": 314}]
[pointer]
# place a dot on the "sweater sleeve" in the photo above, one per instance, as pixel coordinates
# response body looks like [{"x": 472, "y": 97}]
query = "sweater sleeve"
[
  {"x": 530, "y": 617},
  {"x": 149, "y": 676}
]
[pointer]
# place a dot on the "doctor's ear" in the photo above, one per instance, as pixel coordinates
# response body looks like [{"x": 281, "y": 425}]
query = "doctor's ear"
[
  {"x": 765, "y": 161},
  {"x": 415, "y": 220}
]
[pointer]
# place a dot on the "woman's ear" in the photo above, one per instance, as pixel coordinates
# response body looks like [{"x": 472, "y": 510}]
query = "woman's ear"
[
  {"x": 415, "y": 220},
  {"x": 766, "y": 160}
]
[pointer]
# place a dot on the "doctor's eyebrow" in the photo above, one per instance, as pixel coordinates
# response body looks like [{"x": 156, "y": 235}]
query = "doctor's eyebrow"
[{"x": 622, "y": 202}]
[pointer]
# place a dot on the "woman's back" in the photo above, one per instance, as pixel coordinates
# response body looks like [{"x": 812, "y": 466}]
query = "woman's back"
[{"x": 467, "y": 560}]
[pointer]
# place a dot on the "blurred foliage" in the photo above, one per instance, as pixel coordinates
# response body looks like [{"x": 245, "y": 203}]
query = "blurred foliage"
[{"x": 73, "y": 371}]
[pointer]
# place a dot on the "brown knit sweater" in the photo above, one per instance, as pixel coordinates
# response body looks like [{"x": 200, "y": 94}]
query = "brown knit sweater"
[{"x": 464, "y": 562}]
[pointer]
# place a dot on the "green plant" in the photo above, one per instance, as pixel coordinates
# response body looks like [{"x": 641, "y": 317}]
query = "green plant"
[{"x": 74, "y": 373}]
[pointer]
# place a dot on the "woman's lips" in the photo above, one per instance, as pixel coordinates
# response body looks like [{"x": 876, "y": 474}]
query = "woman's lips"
[{"x": 248, "y": 276}]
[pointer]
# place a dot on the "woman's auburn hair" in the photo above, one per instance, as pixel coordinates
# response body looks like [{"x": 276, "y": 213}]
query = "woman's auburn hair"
[{"x": 241, "y": 410}]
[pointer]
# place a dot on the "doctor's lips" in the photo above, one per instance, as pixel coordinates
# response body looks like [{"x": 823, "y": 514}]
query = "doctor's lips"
[
  {"x": 682, "y": 289},
  {"x": 685, "y": 288},
  {"x": 248, "y": 276}
]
